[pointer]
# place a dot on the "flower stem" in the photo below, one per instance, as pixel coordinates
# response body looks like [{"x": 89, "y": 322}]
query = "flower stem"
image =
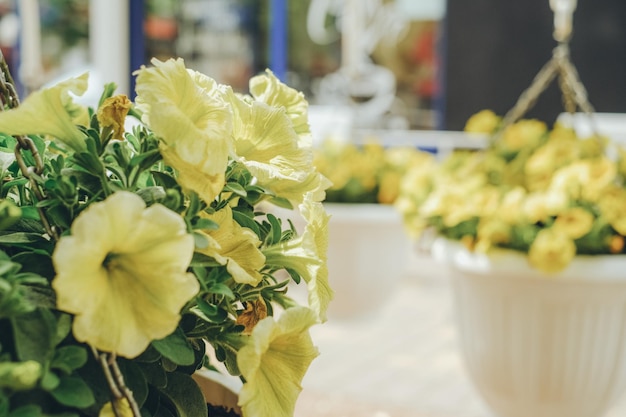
[{"x": 115, "y": 379}]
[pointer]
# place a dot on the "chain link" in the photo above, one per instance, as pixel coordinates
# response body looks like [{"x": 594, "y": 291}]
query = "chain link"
[
  {"x": 573, "y": 92},
  {"x": 10, "y": 100}
]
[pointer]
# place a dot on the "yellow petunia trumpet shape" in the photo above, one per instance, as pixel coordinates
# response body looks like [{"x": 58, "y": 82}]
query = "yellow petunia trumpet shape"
[
  {"x": 129, "y": 264},
  {"x": 274, "y": 361},
  {"x": 48, "y": 112},
  {"x": 193, "y": 121}
]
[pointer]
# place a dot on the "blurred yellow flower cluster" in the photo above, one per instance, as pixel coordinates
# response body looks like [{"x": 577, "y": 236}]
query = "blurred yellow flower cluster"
[
  {"x": 367, "y": 173},
  {"x": 546, "y": 192}
]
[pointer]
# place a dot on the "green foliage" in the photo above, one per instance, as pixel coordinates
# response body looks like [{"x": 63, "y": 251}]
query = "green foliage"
[{"x": 130, "y": 256}]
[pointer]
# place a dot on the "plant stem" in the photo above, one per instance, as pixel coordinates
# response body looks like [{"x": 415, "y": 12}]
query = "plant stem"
[{"x": 115, "y": 379}]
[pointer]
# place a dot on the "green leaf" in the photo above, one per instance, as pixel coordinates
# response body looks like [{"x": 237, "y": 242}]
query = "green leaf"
[
  {"x": 223, "y": 289},
  {"x": 212, "y": 312},
  {"x": 135, "y": 380},
  {"x": 34, "y": 335},
  {"x": 64, "y": 325},
  {"x": 31, "y": 214},
  {"x": 146, "y": 159},
  {"x": 19, "y": 238},
  {"x": 73, "y": 392},
  {"x": 235, "y": 188},
  {"x": 176, "y": 348},
  {"x": 185, "y": 395},
  {"x": 29, "y": 410},
  {"x": 276, "y": 229},
  {"x": 50, "y": 381},
  {"x": 68, "y": 358},
  {"x": 89, "y": 162},
  {"x": 246, "y": 221},
  {"x": 205, "y": 224},
  {"x": 200, "y": 259},
  {"x": 40, "y": 296},
  {"x": 200, "y": 240},
  {"x": 281, "y": 202},
  {"x": 154, "y": 374},
  {"x": 165, "y": 180},
  {"x": 35, "y": 263}
]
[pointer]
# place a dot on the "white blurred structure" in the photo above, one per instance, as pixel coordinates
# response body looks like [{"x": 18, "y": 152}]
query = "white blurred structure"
[
  {"x": 613, "y": 125},
  {"x": 109, "y": 42}
]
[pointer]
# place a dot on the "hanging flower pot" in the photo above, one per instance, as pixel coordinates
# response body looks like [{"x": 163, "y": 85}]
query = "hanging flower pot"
[{"x": 539, "y": 345}]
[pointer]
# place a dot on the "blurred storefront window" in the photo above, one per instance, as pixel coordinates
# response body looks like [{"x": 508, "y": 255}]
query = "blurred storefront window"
[{"x": 395, "y": 46}]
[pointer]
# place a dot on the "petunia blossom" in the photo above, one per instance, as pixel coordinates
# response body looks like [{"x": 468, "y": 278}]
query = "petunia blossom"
[
  {"x": 268, "y": 89},
  {"x": 551, "y": 251},
  {"x": 320, "y": 292},
  {"x": 234, "y": 246},
  {"x": 268, "y": 145},
  {"x": 194, "y": 123},
  {"x": 48, "y": 111},
  {"x": 274, "y": 361},
  {"x": 123, "y": 273}
]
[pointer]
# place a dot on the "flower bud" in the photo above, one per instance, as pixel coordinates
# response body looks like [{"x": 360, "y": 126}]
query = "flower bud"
[{"x": 9, "y": 214}]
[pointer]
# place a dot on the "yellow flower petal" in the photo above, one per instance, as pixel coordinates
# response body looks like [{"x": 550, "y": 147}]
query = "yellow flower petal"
[
  {"x": 237, "y": 248},
  {"x": 268, "y": 145},
  {"x": 123, "y": 408},
  {"x": 551, "y": 251},
  {"x": 129, "y": 264},
  {"x": 485, "y": 121},
  {"x": 316, "y": 230},
  {"x": 274, "y": 361},
  {"x": 187, "y": 112},
  {"x": 45, "y": 112},
  {"x": 575, "y": 222},
  {"x": 270, "y": 90}
]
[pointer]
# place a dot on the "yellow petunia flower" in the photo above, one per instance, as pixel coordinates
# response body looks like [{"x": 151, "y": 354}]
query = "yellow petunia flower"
[
  {"x": 237, "y": 248},
  {"x": 316, "y": 230},
  {"x": 49, "y": 111},
  {"x": 599, "y": 174},
  {"x": 523, "y": 134},
  {"x": 485, "y": 121},
  {"x": 267, "y": 144},
  {"x": 551, "y": 251},
  {"x": 123, "y": 409},
  {"x": 270, "y": 90},
  {"x": 492, "y": 231},
  {"x": 613, "y": 206},
  {"x": 575, "y": 222},
  {"x": 510, "y": 209},
  {"x": 540, "y": 205},
  {"x": 129, "y": 265},
  {"x": 187, "y": 112},
  {"x": 274, "y": 361}
]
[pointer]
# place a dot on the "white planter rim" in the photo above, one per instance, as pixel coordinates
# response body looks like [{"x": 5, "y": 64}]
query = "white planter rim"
[
  {"x": 359, "y": 212},
  {"x": 510, "y": 263}
]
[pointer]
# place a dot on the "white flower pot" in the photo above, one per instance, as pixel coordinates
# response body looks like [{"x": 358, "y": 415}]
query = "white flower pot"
[
  {"x": 368, "y": 255},
  {"x": 540, "y": 346},
  {"x": 368, "y": 251}
]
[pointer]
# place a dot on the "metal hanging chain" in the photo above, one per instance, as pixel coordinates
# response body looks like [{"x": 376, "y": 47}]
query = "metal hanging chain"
[
  {"x": 10, "y": 100},
  {"x": 573, "y": 91}
]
